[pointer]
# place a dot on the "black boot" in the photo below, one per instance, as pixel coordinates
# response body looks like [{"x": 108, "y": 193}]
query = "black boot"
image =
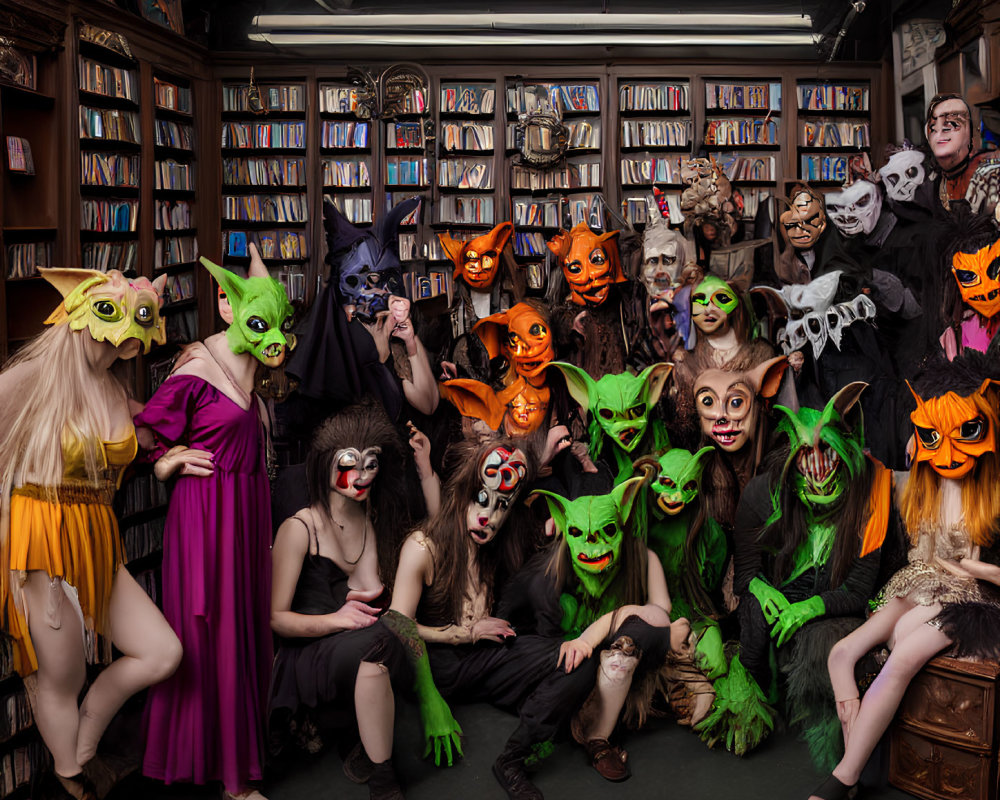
[
  {"x": 382, "y": 785},
  {"x": 510, "y": 772}
]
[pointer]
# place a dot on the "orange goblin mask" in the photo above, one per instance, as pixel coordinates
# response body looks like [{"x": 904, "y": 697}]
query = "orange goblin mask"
[
  {"x": 976, "y": 274},
  {"x": 477, "y": 261},
  {"x": 521, "y": 335},
  {"x": 590, "y": 263},
  {"x": 953, "y": 431},
  {"x": 519, "y": 408}
]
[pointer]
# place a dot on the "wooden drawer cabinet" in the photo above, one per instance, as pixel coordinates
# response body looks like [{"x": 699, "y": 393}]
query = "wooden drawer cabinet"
[{"x": 944, "y": 738}]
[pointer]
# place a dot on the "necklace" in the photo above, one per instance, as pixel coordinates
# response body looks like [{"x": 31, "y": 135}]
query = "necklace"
[{"x": 364, "y": 542}]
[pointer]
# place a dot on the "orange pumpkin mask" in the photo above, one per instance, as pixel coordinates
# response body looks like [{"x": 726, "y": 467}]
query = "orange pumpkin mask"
[
  {"x": 478, "y": 260},
  {"x": 805, "y": 219},
  {"x": 523, "y": 336},
  {"x": 526, "y": 405},
  {"x": 953, "y": 431},
  {"x": 976, "y": 274},
  {"x": 519, "y": 408},
  {"x": 590, "y": 263}
]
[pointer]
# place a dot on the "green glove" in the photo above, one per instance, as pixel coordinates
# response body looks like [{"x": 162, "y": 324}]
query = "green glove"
[
  {"x": 710, "y": 655},
  {"x": 772, "y": 602},
  {"x": 441, "y": 731},
  {"x": 740, "y": 717},
  {"x": 795, "y": 616}
]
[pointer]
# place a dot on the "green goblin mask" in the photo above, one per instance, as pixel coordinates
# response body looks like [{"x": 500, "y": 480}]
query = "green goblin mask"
[
  {"x": 593, "y": 528},
  {"x": 677, "y": 477},
  {"x": 110, "y": 306},
  {"x": 618, "y": 404},
  {"x": 261, "y": 314},
  {"x": 827, "y": 447}
]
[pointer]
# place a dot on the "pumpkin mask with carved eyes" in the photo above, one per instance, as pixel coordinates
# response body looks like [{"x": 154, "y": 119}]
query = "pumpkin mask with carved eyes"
[
  {"x": 477, "y": 261},
  {"x": 590, "y": 263},
  {"x": 953, "y": 431},
  {"x": 804, "y": 220},
  {"x": 521, "y": 335},
  {"x": 976, "y": 274}
]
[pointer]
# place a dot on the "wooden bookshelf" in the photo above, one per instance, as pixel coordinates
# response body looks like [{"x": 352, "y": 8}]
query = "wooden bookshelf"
[
  {"x": 346, "y": 152},
  {"x": 834, "y": 122}
]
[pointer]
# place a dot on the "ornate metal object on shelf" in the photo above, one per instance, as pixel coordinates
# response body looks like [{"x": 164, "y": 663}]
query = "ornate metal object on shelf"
[
  {"x": 397, "y": 89},
  {"x": 539, "y": 134}
]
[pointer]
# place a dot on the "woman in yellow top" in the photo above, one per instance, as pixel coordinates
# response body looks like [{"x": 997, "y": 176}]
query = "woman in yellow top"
[{"x": 66, "y": 436}]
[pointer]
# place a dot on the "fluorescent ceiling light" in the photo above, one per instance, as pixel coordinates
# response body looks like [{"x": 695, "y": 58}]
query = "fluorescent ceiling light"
[{"x": 537, "y": 29}]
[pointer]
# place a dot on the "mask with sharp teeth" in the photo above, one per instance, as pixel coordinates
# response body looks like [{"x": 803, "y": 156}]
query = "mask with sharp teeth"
[
  {"x": 804, "y": 221},
  {"x": 593, "y": 528},
  {"x": 903, "y": 174},
  {"x": 590, "y": 263},
  {"x": 855, "y": 209},
  {"x": 977, "y": 276},
  {"x": 728, "y": 402}
]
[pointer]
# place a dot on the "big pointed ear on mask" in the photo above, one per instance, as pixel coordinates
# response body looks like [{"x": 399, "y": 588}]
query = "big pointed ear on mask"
[
  {"x": 388, "y": 227},
  {"x": 767, "y": 376},
  {"x": 159, "y": 285},
  {"x": 72, "y": 284},
  {"x": 650, "y": 467},
  {"x": 701, "y": 455},
  {"x": 581, "y": 386},
  {"x": 990, "y": 385},
  {"x": 843, "y": 402},
  {"x": 231, "y": 283},
  {"x": 258, "y": 269},
  {"x": 558, "y": 508},
  {"x": 624, "y": 495},
  {"x": 501, "y": 235},
  {"x": 490, "y": 331},
  {"x": 340, "y": 233},
  {"x": 655, "y": 377},
  {"x": 560, "y": 244},
  {"x": 474, "y": 399}
]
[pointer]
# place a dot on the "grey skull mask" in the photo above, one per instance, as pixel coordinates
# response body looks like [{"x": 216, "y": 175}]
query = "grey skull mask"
[
  {"x": 814, "y": 319},
  {"x": 903, "y": 174},
  {"x": 855, "y": 209}
]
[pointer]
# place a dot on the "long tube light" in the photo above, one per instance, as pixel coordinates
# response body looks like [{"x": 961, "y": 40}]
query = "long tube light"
[{"x": 636, "y": 39}]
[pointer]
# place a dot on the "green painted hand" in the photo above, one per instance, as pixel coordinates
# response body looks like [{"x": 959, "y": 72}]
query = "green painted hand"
[
  {"x": 441, "y": 731},
  {"x": 772, "y": 602},
  {"x": 795, "y": 616},
  {"x": 570, "y": 605}
]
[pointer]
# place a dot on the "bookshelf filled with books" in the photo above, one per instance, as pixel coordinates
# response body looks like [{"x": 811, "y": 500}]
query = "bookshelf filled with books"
[
  {"x": 834, "y": 121},
  {"x": 346, "y": 152}
]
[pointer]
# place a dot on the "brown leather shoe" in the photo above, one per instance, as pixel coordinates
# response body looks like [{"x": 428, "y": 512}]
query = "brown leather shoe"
[{"x": 611, "y": 762}]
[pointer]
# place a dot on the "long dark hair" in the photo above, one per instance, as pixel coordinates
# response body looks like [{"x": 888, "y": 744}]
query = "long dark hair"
[{"x": 452, "y": 544}]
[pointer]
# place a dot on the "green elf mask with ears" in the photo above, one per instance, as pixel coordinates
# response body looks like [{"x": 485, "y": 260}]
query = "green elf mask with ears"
[
  {"x": 677, "y": 478},
  {"x": 593, "y": 528},
  {"x": 261, "y": 313},
  {"x": 826, "y": 446}
]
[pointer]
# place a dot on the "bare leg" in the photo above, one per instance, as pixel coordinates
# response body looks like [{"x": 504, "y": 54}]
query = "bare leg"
[
  {"x": 882, "y": 699},
  {"x": 375, "y": 707},
  {"x": 57, "y": 635},
  {"x": 151, "y": 653}
]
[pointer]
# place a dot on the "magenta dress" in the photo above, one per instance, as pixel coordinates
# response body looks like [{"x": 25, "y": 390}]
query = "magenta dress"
[{"x": 206, "y": 722}]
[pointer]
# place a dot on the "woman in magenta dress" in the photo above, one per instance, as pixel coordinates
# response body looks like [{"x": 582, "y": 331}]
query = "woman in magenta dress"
[{"x": 204, "y": 427}]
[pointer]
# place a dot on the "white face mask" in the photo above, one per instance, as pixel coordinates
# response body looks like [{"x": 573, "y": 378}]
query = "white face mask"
[
  {"x": 814, "y": 320},
  {"x": 903, "y": 174},
  {"x": 855, "y": 209}
]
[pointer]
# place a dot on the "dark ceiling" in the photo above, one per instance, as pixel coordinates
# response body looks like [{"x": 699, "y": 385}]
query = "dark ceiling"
[{"x": 223, "y": 25}]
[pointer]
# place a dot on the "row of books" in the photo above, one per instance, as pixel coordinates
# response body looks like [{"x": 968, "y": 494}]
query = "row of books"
[
  {"x": 264, "y": 134},
  {"x": 833, "y": 97},
  {"x": 143, "y": 539},
  {"x": 140, "y": 493},
  {"x": 17, "y": 766},
  {"x": 406, "y": 171},
  {"x": 586, "y": 208},
  {"x": 650, "y": 170},
  {"x": 823, "y": 168},
  {"x": 23, "y": 258},
  {"x": 467, "y": 136},
  {"x": 99, "y": 214},
  {"x": 530, "y": 243},
  {"x": 467, "y": 99},
  {"x": 179, "y": 287},
  {"x": 274, "y": 171},
  {"x": 572, "y": 175},
  {"x": 655, "y": 133},
  {"x": 741, "y": 131},
  {"x": 109, "y": 123},
  {"x": 289, "y": 97},
  {"x": 653, "y": 97},
  {"x": 109, "y": 81},
  {"x": 172, "y": 174},
  {"x": 465, "y": 174},
  {"x": 270, "y": 244},
  {"x": 294, "y": 281},
  {"x": 19, "y": 155},
  {"x": 174, "y": 134},
  {"x": 464, "y": 210},
  {"x": 638, "y": 209},
  {"x": 265, "y": 207},
  {"x": 408, "y": 250},
  {"x": 567, "y": 97},
  {"x": 582, "y": 134},
  {"x": 405, "y": 135},
  {"x": 538, "y": 214},
  {"x": 424, "y": 287},
  {"x": 835, "y": 134},
  {"x": 743, "y": 96},
  {"x": 414, "y": 102},
  {"x": 352, "y": 173},
  {"x": 103, "y": 256},
  {"x": 752, "y": 199},
  {"x": 171, "y": 250},
  {"x": 108, "y": 169},
  {"x": 172, "y": 215},
  {"x": 171, "y": 96},
  {"x": 345, "y": 134},
  {"x": 357, "y": 209},
  {"x": 18, "y": 716},
  {"x": 338, "y": 99},
  {"x": 746, "y": 168}
]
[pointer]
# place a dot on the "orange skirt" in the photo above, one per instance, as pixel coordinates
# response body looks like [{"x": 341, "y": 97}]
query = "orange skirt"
[{"x": 75, "y": 539}]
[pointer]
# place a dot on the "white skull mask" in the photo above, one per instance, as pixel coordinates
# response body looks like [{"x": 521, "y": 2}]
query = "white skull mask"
[
  {"x": 855, "y": 209},
  {"x": 903, "y": 174}
]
